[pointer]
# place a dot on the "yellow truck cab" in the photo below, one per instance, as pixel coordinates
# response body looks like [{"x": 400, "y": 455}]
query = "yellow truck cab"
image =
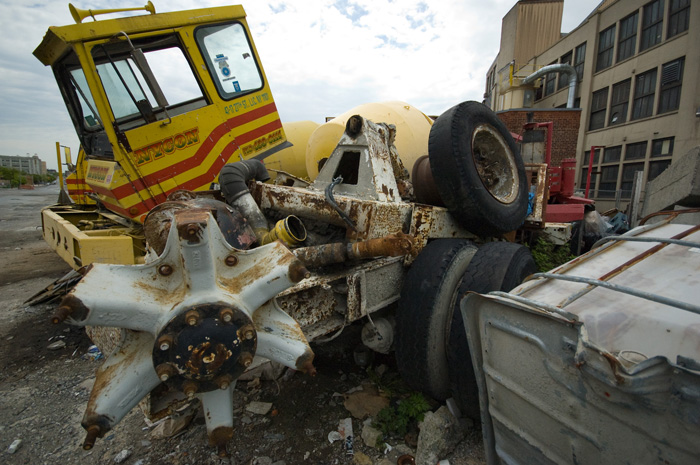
[{"x": 160, "y": 102}]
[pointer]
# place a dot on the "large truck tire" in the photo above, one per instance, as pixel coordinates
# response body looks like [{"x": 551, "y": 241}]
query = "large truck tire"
[
  {"x": 478, "y": 170},
  {"x": 496, "y": 266},
  {"x": 428, "y": 297}
]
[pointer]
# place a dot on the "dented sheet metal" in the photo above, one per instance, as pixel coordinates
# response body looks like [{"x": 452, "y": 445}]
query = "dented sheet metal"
[{"x": 571, "y": 372}]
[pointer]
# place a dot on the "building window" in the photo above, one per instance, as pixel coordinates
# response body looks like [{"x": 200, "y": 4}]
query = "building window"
[
  {"x": 644, "y": 86},
  {"x": 662, "y": 147},
  {"x": 628, "y": 172},
  {"x": 579, "y": 58},
  {"x": 550, "y": 80},
  {"x": 564, "y": 77},
  {"x": 652, "y": 23},
  {"x": 584, "y": 171},
  {"x": 608, "y": 181},
  {"x": 636, "y": 151},
  {"x": 606, "y": 43},
  {"x": 620, "y": 102},
  {"x": 612, "y": 154},
  {"x": 656, "y": 168},
  {"x": 627, "y": 42},
  {"x": 599, "y": 103},
  {"x": 671, "y": 80},
  {"x": 678, "y": 17}
]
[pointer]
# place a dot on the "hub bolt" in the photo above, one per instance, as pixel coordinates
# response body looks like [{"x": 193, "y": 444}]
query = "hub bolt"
[
  {"x": 226, "y": 315},
  {"x": 246, "y": 359},
  {"x": 190, "y": 388},
  {"x": 223, "y": 382},
  {"x": 192, "y": 317},
  {"x": 231, "y": 260},
  {"x": 165, "y": 342},
  {"x": 165, "y": 371}
]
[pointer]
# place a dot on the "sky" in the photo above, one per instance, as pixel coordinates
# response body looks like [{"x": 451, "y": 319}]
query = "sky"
[{"x": 321, "y": 57}]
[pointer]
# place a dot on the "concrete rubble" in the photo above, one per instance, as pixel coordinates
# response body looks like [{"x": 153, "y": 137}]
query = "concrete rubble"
[
  {"x": 678, "y": 185},
  {"x": 440, "y": 432}
]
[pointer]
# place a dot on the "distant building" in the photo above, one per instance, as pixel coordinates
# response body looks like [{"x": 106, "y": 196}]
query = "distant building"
[
  {"x": 29, "y": 165},
  {"x": 637, "y": 63}
]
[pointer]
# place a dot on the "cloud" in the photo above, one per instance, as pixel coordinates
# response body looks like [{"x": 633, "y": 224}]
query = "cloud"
[{"x": 321, "y": 58}]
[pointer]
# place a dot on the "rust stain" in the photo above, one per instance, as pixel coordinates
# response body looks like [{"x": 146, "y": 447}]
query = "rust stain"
[{"x": 614, "y": 366}]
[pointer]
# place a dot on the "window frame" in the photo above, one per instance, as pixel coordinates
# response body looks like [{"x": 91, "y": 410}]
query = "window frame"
[
  {"x": 659, "y": 142},
  {"x": 681, "y": 12},
  {"x": 549, "y": 79},
  {"x": 638, "y": 154},
  {"x": 606, "y": 181},
  {"x": 599, "y": 104},
  {"x": 564, "y": 78},
  {"x": 627, "y": 43},
  {"x": 672, "y": 89},
  {"x": 619, "y": 100},
  {"x": 211, "y": 66},
  {"x": 579, "y": 65},
  {"x": 644, "y": 97},
  {"x": 652, "y": 26},
  {"x": 604, "y": 58}
]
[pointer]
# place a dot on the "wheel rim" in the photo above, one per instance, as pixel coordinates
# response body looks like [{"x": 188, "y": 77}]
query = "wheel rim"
[{"x": 495, "y": 163}]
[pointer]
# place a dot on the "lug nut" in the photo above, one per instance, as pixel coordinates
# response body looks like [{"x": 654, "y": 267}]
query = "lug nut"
[
  {"x": 165, "y": 270},
  {"x": 165, "y": 342},
  {"x": 192, "y": 317},
  {"x": 223, "y": 382},
  {"x": 246, "y": 332},
  {"x": 190, "y": 388},
  {"x": 246, "y": 360},
  {"x": 231, "y": 260},
  {"x": 165, "y": 371},
  {"x": 192, "y": 230},
  {"x": 226, "y": 315}
]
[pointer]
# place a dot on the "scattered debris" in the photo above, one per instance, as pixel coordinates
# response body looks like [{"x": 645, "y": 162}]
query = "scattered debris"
[
  {"x": 14, "y": 446},
  {"x": 93, "y": 353},
  {"x": 365, "y": 403},
  {"x": 361, "y": 459},
  {"x": 259, "y": 408},
  {"x": 175, "y": 423},
  {"x": 370, "y": 435},
  {"x": 345, "y": 430},
  {"x": 57, "y": 345},
  {"x": 334, "y": 436},
  {"x": 262, "y": 461},
  {"x": 440, "y": 432},
  {"x": 122, "y": 456},
  {"x": 275, "y": 437}
]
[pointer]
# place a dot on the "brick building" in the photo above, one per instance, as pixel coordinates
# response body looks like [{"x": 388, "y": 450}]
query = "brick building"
[{"x": 564, "y": 133}]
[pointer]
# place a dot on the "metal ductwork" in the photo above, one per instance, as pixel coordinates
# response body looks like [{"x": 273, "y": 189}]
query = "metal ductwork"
[{"x": 557, "y": 68}]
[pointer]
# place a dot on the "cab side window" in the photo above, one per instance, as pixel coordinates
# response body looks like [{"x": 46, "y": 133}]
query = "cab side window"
[{"x": 230, "y": 59}]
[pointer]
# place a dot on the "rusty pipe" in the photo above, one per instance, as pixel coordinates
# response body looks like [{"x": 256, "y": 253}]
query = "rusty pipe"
[
  {"x": 393, "y": 245},
  {"x": 93, "y": 432}
]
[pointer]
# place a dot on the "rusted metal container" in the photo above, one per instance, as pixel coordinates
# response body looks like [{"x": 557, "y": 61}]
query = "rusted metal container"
[{"x": 597, "y": 361}]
